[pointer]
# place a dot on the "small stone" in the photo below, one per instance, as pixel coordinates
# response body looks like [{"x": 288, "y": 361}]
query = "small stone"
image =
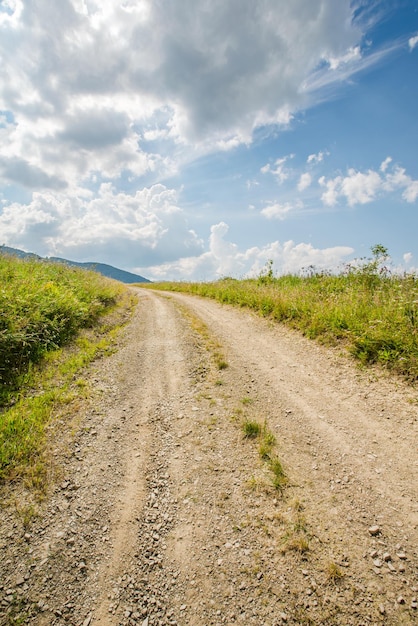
[
  {"x": 145, "y": 622},
  {"x": 377, "y": 563},
  {"x": 87, "y": 621},
  {"x": 382, "y": 610},
  {"x": 387, "y": 557},
  {"x": 391, "y": 567},
  {"x": 401, "y": 555},
  {"x": 414, "y": 604},
  {"x": 374, "y": 530},
  {"x": 401, "y": 600}
]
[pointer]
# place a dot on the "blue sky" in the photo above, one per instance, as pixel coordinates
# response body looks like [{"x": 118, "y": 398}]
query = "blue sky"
[{"x": 193, "y": 139}]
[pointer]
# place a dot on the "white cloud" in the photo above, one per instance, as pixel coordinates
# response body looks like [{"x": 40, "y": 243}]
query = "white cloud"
[
  {"x": 113, "y": 227},
  {"x": 316, "y": 158},
  {"x": 305, "y": 181},
  {"x": 407, "y": 257},
  {"x": 399, "y": 179},
  {"x": 279, "y": 171},
  {"x": 362, "y": 188},
  {"x": 385, "y": 164},
  {"x": 413, "y": 41},
  {"x": 352, "y": 54},
  {"x": 280, "y": 211},
  {"x": 83, "y": 76},
  {"x": 356, "y": 188},
  {"x": 411, "y": 192},
  {"x": 330, "y": 196},
  {"x": 224, "y": 258},
  {"x": 359, "y": 188}
]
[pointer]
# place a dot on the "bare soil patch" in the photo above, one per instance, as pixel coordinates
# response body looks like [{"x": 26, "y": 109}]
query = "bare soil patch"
[{"x": 166, "y": 514}]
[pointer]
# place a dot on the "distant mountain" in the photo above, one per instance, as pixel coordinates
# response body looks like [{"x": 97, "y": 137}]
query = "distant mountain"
[{"x": 101, "y": 268}]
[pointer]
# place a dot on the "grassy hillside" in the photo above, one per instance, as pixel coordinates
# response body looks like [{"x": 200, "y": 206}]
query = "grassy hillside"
[
  {"x": 372, "y": 313},
  {"x": 44, "y": 306}
]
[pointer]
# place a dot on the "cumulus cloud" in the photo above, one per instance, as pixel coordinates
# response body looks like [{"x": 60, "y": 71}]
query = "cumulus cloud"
[
  {"x": 305, "y": 181},
  {"x": 364, "y": 187},
  {"x": 85, "y": 74},
  {"x": 94, "y": 94},
  {"x": 224, "y": 258},
  {"x": 19, "y": 171},
  {"x": 113, "y": 227}
]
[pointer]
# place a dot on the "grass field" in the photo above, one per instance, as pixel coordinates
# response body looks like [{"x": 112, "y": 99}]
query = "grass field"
[
  {"x": 365, "y": 308},
  {"x": 44, "y": 306}
]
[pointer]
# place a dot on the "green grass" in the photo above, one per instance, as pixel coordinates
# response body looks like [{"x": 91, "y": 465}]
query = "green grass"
[
  {"x": 365, "y": 308},
  {"x": 251, "y": 429},
  {"x": 44, "y": 306}
]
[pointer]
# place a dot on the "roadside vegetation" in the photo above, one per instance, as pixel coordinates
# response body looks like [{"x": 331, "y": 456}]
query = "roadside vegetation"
[
  {"x": 365, "y": 308},
  {"x": 52, "y": 324}
]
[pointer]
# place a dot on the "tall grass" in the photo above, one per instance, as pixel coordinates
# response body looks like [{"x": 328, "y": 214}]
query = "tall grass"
[
  {"x": 42, "y": 306},
  {"x": 365, "y": 308}
]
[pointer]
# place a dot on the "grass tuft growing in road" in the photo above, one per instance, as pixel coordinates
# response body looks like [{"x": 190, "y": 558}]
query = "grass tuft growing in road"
[{"x": 253, "y": 429}]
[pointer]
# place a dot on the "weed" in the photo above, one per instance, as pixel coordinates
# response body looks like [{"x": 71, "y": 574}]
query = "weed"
[
  {"x": 236, "y": 414},
  {"x": 264, "y": 451},
  {"x": 296, "y": 543},
  {"x": 246, "y": 400},
  {"x": 279, "y": 475},
  {"x": 27, "y": 514},
  {"x": 222, "y": 365},
  {"x": 267, "y": 444},
  {"x": 299, "y": 525},
  {"x": 333, "y": 572},
  {"x": 251, "y": 429}
]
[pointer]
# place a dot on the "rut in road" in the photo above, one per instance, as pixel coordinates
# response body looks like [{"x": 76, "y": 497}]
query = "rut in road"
[
  {"x": 166, "y": 514},
  {"x": 162, "y": 366}
]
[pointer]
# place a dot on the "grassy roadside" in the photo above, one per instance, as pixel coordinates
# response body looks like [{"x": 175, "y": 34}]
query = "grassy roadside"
[
  {"x": 54, "y": 320},
  {"x": 365, "y": 308}
]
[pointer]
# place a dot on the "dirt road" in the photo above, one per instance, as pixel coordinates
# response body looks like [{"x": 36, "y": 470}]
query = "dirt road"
[{"x": 166, "y": 513}]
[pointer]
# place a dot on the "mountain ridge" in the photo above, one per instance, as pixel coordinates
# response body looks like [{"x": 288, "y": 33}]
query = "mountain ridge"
[{"x": 102, "y": 268}]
